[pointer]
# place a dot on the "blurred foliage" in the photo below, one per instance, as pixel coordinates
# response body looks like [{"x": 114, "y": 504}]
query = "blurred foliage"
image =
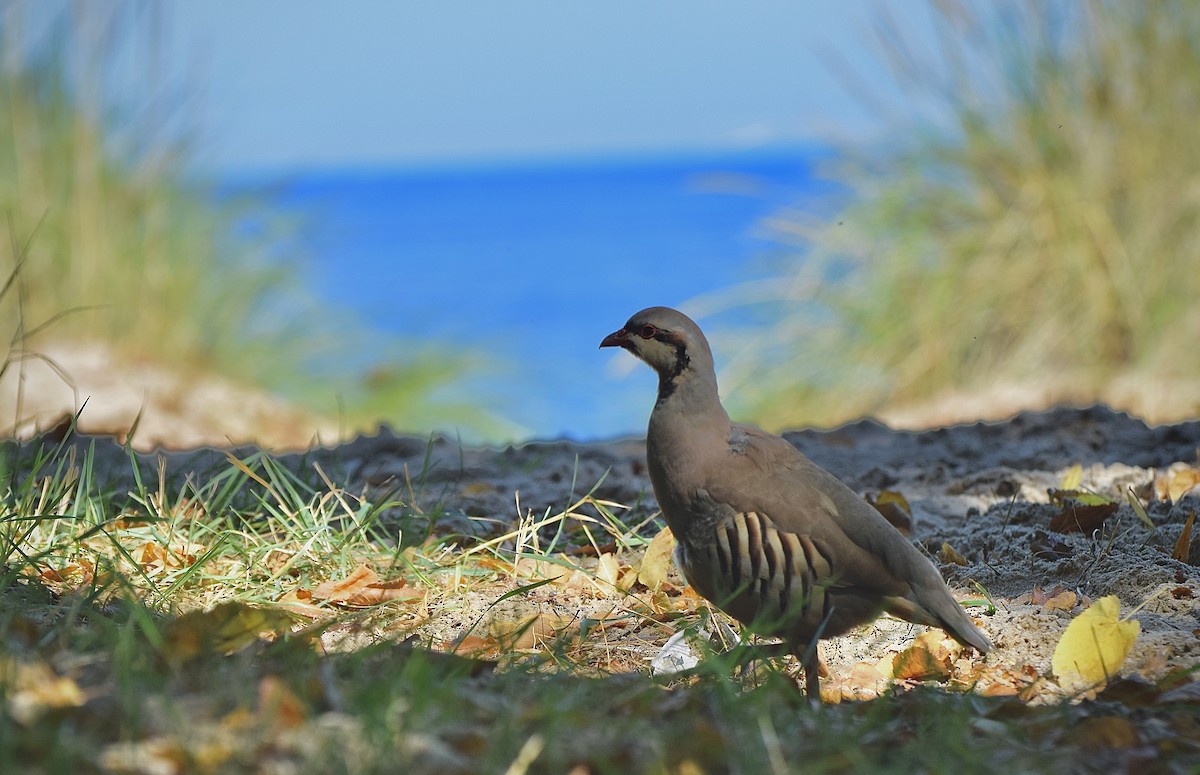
[
  {"x": 1032, "y": 219},
  {"x": 100, "y": 214},
  {"x": 110, "y": 236}
]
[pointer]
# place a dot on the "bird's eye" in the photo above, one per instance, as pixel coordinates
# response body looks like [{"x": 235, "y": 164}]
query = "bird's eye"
[{"x": 647, "y": 331}]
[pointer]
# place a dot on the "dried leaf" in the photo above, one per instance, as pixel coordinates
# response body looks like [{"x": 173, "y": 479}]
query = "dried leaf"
[
  {"x": 154, "y": 558},
  {"x": 1095, "y": 644},
  {"x": 300, "y": 601},
  {"x": 1183, "y": 545},
  {"x": 929, "y": 657},
  {"x": 1041, "y": 548},
  {"x": 471, "y": 645},
  {"x": 656, "y": 564},
  {"x": 1081, "y": 519},
  {"x": 80, "y": 572},
  {"x": 363, "y": 587},
  {"x": 895, "y": 509},
  {"x": 530, "y": 632},
  {"x": 1136, "y": 504},
  {"x": 949, "y": 554},
  {"x": 1063, "y": 601},
  {"x": 1177, "y": 481},
  {"x": 608, "y": 569},
  {"x": 863, "y": 682}
]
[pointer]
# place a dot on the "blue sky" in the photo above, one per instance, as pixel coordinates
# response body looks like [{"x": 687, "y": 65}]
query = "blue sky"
[{"x": 304, "y": 84}]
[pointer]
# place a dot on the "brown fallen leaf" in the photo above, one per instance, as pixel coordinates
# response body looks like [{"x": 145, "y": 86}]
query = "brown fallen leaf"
[
  {"x": 999, "y": 690},
  {"x": 1045, "y": 546},
  {"x": 1063, "y": 601},
  {"x": 80, "y": 572},
  {"x": 363, "y": 588},
  {"x": 929, "y": 657},
  {"x": 1039, "y": 596},
  {"x": 1007, "y": 682},
  {"x": 154, "y": 558},
  {"x": 1183, "y": 545},
  {"x": 895, "y": 509},
  {"x": 300, "y": 601},
  {"x": 1077, "y": 518}
]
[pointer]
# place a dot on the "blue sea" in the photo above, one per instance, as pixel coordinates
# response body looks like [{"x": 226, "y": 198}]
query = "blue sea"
[{"x": 531, "y": 264}]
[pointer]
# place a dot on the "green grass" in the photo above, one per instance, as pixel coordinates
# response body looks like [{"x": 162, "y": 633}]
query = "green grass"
[
  {"x": 1033, "y": 219},
  {"x": 108, "y": 237},
  {"x": 146, "y": 625}
]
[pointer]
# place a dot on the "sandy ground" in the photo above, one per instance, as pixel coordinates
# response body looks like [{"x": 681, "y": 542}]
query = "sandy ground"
[
  {"x": 979, "y": 489},
  {"x": 43, "y": 388}
]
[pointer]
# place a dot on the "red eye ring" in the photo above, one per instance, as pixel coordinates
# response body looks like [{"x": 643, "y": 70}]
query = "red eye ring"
[{"x": 647, "y": 331}]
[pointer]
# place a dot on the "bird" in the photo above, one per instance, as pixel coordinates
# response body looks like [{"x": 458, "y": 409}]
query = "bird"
[{"x": 763, "y": 533}]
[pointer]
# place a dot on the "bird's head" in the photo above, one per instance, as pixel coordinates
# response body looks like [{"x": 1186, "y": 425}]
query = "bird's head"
[{"x": 667, "y": 340}]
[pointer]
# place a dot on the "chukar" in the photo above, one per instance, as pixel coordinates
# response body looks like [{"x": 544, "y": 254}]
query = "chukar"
[{"x": 763, "y": 533}]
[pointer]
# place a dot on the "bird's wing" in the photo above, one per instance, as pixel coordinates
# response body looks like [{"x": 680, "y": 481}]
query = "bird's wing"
[
  {"x": 765, "y": 474},
  {"x": 768, "y": 475}
]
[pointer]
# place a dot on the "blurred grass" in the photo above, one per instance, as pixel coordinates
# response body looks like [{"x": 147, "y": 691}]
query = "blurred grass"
[
  {"x": 1032, "y": 220},
  {"x": 109, "y": 236}
]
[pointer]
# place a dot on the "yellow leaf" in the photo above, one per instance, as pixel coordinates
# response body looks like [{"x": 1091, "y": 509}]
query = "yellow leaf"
[
  {"x": 949, "y": 554},
  {"x": 608, "y": 569},
  {"x": 1095, "y": 644},
  {"x": 656, "y": 564},
  {"x": 1072, "y": 477}
]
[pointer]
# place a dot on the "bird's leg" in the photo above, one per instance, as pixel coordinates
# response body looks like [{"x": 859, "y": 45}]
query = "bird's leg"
[
  {"x": 812, "y": 679},
  {"x": 806, "y": 654}
]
